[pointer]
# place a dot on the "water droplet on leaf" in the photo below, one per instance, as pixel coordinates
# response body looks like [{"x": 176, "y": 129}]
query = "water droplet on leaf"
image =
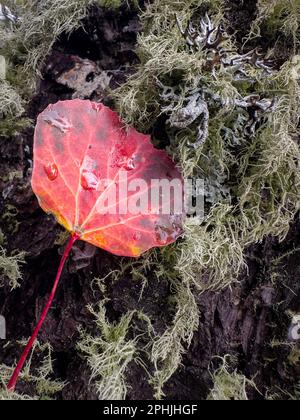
[
  {"x": 89, "y": 181},
  {"x": 51, "y": 171},
  {"x": 137, "y": 236},
  {"x": 129, "y": 165}
]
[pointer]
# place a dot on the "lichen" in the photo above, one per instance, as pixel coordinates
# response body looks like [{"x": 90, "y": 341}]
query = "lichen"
[
  {"x": 39, "y": 379},
  {"x": 109, "y": 354},
  {"x": 168, "y": 349},
  {"x": 278, "y": 16},
  {"x": 10, "y": 268},
  {"x": 228, "y": 384},
  {"x": 25, "y": 42}
]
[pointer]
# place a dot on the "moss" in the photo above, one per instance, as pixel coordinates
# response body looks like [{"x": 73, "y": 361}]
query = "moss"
[
  {"x": 24, "y": 45},
  {"x": 109, "y": 354},
  {"x": 62, "y": 237},
  {"x": 33, "y": 37},
  {"x": 164, "y": 350},
  {"x": 168, "y": 349},
  {"x": 39, "y": 379},
  {"x": 162, "y": 52},
  {"x": 279, "y": 15},
  {"x": 114, "y": 4},
  {"x": 2, "y": 68},
  {"x": 15, "y": 174},
  {"x": 2, "y": 237},
  {"x": 10, "y": 127},
  {"x": 279, "y": 394},
  {"x": 9, "y": 216},
  {"x": 42, "y": 22},
  {"x": 6, "y": 395},
  {"x": 211, "y": 253},
  {"x": 11, "y": 103},
  {"x": 229, "y": 385},
  {"x": 10, "y": 270},
  {"x": 294, "y": 356}
]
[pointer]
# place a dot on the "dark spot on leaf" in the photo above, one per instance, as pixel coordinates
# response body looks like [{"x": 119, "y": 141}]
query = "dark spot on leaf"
[
  {"x": 101, "y": 135},
  {"x": 80, "y": 125},
  {"x": 59, "y": 146}
]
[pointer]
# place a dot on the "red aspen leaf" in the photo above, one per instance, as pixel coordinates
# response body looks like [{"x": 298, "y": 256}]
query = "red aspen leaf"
[{"x": 82, "y": 155}]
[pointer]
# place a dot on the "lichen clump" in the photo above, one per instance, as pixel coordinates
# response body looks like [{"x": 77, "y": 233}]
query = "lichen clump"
[
  {"x": 40, "y": 379},
  {"x": 10, "y": 268},
  {"x": 228, "y": 384},
  {"x": 109, "y": 354},
  {"x": 28, "y": 31}
]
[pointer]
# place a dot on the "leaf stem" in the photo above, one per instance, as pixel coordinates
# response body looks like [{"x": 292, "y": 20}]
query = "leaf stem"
[{"x": 13, "y": 381}]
